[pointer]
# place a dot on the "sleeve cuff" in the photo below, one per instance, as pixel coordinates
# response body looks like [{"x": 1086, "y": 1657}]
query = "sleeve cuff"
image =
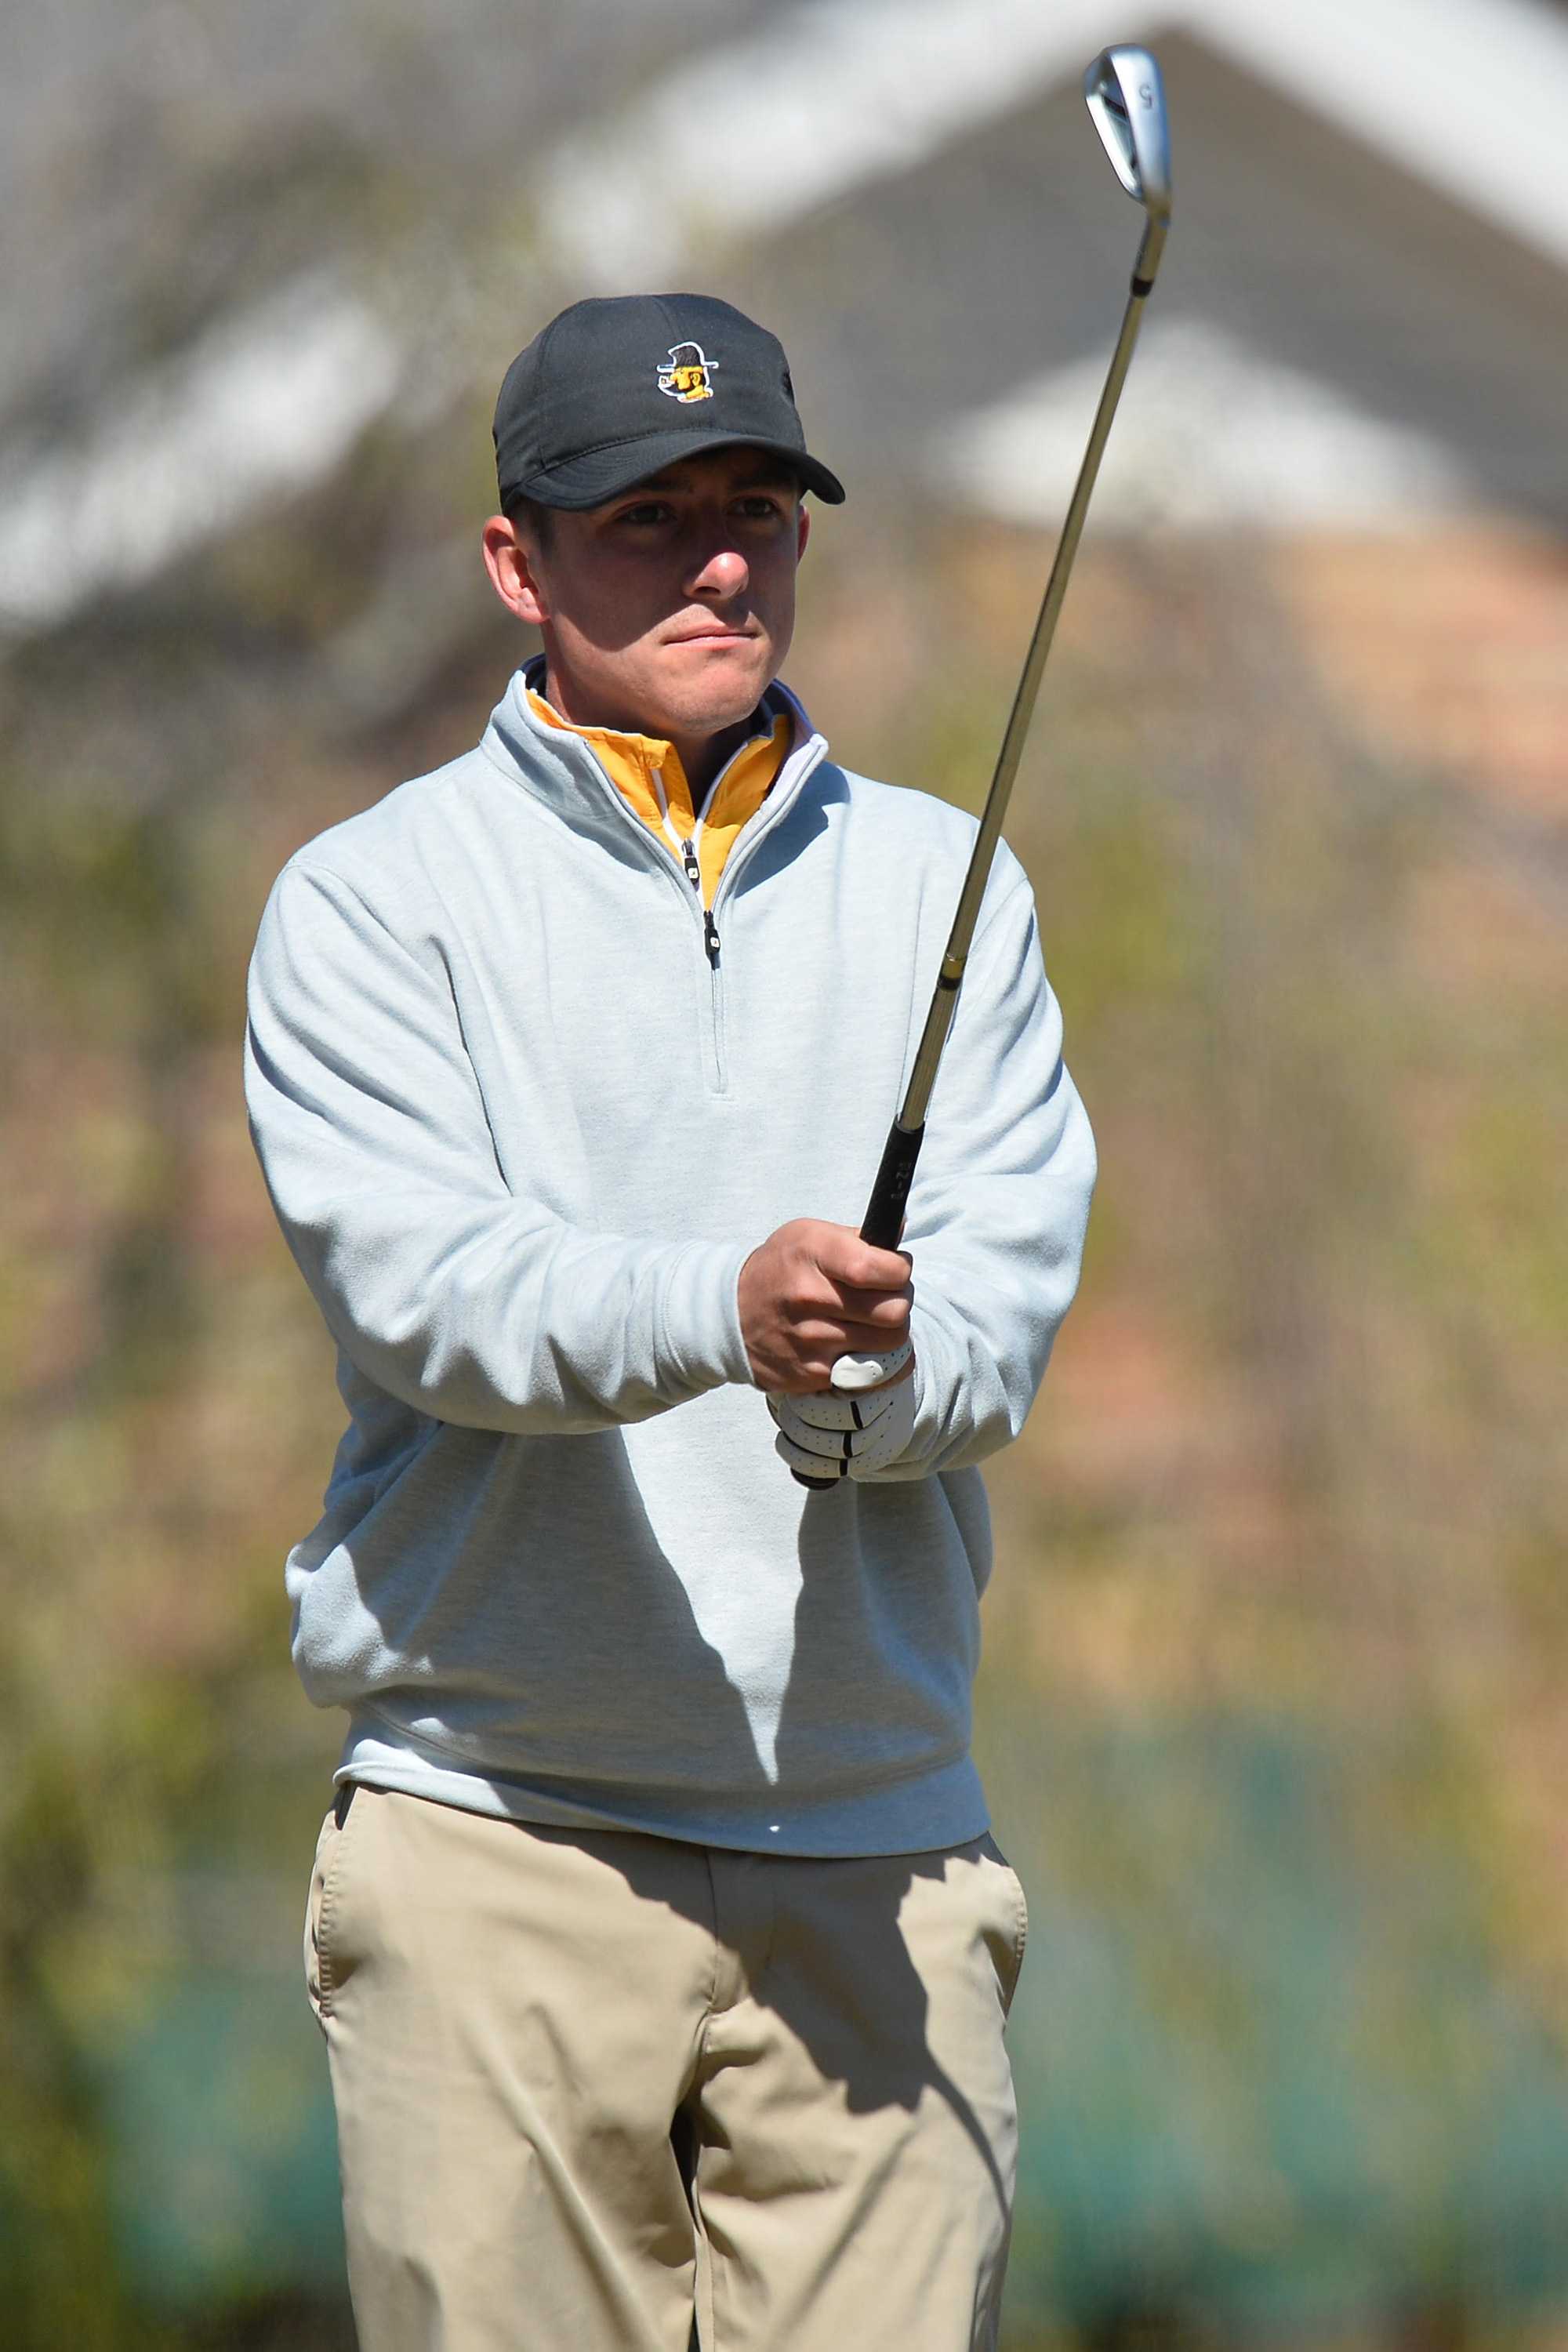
[{"x": 702, "y": 1319}]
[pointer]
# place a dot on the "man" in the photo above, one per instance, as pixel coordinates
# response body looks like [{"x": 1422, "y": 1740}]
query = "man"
[{"x": 661, "y": 1950}]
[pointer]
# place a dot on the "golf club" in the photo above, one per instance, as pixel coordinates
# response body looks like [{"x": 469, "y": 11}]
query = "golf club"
[{"x": 1127, "y": 105}]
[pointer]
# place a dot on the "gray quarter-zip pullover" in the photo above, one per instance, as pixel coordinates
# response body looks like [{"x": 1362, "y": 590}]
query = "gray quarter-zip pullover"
[{"x": 522, "y": 1124}]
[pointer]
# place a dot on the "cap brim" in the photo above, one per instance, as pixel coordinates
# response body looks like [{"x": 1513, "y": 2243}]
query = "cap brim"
[{"x": 601, "y": 473}]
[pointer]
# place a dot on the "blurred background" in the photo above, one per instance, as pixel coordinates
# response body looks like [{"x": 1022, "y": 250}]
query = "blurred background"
[{"x": 1275, "y": 1713}]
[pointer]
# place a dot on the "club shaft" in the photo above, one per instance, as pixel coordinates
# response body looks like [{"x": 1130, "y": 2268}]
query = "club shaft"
[{"x": 884, "y": 1216}]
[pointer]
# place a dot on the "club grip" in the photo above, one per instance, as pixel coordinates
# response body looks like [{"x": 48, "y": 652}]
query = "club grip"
[{"x": 884, "y": 1221}]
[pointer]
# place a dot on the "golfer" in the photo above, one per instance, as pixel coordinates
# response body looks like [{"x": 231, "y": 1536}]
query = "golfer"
[{"x": 661, "y": 1948}]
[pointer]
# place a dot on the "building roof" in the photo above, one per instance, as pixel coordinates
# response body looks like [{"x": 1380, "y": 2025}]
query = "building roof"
[
  {"x": 1368, "y": 239},
  {"x": 1362, "y": 313}
]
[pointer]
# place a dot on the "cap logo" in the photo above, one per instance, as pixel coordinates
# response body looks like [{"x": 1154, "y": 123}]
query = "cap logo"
[{"x": 687, "y": 374}]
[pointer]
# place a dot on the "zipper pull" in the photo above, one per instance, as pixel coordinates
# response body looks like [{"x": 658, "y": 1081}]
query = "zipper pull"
[
  {"x": 711, "y": 936},
  {"x": 693, "y": 871}
]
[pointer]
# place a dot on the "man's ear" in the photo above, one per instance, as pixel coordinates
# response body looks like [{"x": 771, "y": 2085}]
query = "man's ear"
[
  {"x": 510, "y": 561},
  {"x": 804, "y": 524}
]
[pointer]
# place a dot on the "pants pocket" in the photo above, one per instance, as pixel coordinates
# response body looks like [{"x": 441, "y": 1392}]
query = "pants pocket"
[
  {"x": 1015, "y": 1920},
  {"x": 318, "y": 1978}
]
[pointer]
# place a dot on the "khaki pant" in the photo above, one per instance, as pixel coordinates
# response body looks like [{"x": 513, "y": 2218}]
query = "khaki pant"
[{"x": 589, "y": 2085}]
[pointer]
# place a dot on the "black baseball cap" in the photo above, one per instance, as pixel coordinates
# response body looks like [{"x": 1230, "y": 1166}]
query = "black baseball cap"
[{"x": 619, "y": 387}]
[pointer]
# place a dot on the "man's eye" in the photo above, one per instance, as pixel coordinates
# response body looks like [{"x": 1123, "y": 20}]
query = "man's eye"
[
  {"x": 759, "y": 508},
  {"x": 652, "y": 511}
]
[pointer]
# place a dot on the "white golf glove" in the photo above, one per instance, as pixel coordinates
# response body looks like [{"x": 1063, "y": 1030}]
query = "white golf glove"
[{"x": 851, "y": 1430}]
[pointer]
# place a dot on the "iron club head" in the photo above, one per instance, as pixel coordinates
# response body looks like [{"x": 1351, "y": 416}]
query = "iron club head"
[{"x": 1127, "y": 101}]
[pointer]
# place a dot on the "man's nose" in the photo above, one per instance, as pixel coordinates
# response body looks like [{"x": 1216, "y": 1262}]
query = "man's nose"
[{"x": 720, "y": 571}]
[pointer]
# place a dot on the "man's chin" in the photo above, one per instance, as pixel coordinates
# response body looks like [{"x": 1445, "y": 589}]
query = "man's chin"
[{"x": 728, "y": 691}]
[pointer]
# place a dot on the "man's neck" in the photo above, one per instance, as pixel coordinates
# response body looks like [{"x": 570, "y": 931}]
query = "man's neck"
[
  {"x": 701, "y": 757},
  {"x": 709, "y": 755}
]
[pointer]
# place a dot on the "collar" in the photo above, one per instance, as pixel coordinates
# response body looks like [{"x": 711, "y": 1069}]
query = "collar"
[
  {"x": 558, "y": 769},
  {"x": 648, "y": 771}
]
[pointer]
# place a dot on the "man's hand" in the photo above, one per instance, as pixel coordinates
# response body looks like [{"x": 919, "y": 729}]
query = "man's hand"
[
  {"x": 813, "y": 1292},
  {"x": 837, "y": 1436}
]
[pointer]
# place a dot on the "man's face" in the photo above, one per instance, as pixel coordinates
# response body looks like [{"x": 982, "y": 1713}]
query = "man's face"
[{"x": 668, "y": 609}]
